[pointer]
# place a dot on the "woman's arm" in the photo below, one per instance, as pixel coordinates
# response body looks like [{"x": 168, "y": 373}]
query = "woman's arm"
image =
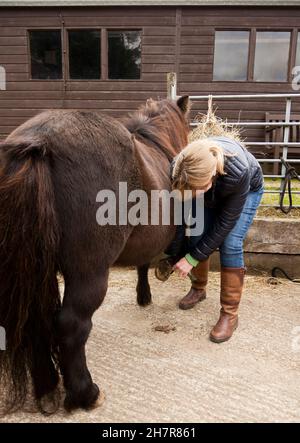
[{"x": 229, "y": 214}]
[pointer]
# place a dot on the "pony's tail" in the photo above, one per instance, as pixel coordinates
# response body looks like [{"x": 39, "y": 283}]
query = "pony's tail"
[{"x": 29, "y": 294}]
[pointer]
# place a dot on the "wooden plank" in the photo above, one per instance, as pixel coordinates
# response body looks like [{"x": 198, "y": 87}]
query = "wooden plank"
[
  {"x": 195, "y": 59},
  {"x": 13, "y": 59},
  {"x": 13, "y": 121},
  {"x": 19, "y": 112},
  {"x": 186, "y": 78},
  {"x": 197, "y": 31},
  {"x": 201, "y": 68},
  {"x": 108, "y": 95},
  {"x": 16, "y": 68},
  {"x": 35, "y": 104},
  {"x": 12, "y": 40},
  {"x": 159, "y": 49},
  {"x": 197, "y": 49},
  {"x": 159, "y": 31},
  {"x": 121, "y": 86},
  {"x": 103, "y": 104},
  {"x": 13, "y": 50},
  {"x": 243, "y": 20},
  {"x": 34, "y": 85},
  {"x": 122, "y": 21},
  {"x": 17, "y": 76},
  {"x": 39, "y": 22},
  {"x": 159, "y": 40},
  {"x": 102, "y": 11},
  {"x": 197, "y": 40},
  {"x": 12, "y": 31},
  {"x": 6, "y": 129},
  {"x": 238, "y": 11},
  {"x": 158, "y": 58},
  {"x": 157, "y": 68},
  {"x": 34, "y": 95}
]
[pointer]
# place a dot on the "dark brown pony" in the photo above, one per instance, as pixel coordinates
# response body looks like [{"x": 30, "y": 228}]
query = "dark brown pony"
[{"x": 52, "y": 168}]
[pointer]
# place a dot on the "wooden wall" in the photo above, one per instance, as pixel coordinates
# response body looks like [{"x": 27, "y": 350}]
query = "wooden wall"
[
  {"x": 196, "y": 60},
  {"x": 174, "y": 39},
  {"x": 24, "y": 97}
]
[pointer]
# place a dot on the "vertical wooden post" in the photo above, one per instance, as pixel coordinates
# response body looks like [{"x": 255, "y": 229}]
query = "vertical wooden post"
[
  {"x": 172, "y": 85},
  {"x": 104, "y": 54}
]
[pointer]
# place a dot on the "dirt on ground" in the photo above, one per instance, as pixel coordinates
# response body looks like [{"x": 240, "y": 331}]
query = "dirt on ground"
[{"x": 156, "y": 364}]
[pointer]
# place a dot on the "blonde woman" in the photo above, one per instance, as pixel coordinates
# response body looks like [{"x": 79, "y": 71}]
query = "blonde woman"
[{"x": 232, "y": 181}]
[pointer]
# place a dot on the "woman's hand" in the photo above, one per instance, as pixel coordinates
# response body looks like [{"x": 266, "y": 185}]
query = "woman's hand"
[{"x": 182, "y": 267}]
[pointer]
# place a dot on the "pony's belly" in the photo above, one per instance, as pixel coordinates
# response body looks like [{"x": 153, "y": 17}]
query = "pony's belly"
[{"x": 144, "y": 244}]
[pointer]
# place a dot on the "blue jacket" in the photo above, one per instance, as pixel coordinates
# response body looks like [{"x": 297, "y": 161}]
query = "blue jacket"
[{"x": 227, "y": 195}]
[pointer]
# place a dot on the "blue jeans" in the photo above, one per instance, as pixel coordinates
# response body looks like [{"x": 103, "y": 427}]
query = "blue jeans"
[{"x": 231, "y": 250}]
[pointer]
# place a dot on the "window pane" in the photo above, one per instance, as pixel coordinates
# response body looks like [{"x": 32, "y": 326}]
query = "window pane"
[
  {"x": 231, "y": 55},
  {"x": 45, "y": 52},
  {"x": 271, "y": 56},
  {"x": 124, "y": 54},
  {"x": 298, "y": 50},
  {"x": 84, "y": 54}
]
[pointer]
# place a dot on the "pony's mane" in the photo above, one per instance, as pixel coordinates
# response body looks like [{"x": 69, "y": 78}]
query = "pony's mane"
[{"x": 160, "y": 123}]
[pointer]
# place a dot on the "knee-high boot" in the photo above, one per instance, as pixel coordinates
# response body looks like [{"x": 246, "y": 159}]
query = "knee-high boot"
[{"x": 232, "y": 281}]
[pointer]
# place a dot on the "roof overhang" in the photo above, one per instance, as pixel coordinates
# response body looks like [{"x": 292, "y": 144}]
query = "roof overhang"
[{"x": 64, "y": 3}]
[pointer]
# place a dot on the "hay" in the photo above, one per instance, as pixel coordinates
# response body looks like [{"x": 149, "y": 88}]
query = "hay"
[{"x": 209, "y": 125}]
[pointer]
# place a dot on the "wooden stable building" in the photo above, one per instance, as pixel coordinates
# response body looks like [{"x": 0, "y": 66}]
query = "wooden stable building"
[{"x": 113, "y": 55}]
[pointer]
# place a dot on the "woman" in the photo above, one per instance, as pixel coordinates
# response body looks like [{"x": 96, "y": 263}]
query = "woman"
[{"x": 232, "y": 181}]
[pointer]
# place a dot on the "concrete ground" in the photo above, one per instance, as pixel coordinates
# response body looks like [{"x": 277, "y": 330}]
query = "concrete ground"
[{"x": 180, "y": 376}]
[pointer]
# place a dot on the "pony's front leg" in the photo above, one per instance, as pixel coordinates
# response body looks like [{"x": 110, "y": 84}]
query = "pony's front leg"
[
  {"x": 143, "y": 288},
  {"x": 83, "y": 295}
]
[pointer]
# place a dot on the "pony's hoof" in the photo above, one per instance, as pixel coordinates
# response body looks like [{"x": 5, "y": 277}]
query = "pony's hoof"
[
  {"x": 86, "y": 400},
  {"x": 144, "y": 302},
  {"x": 144, "y": 297},
  {"x": 99, "y": 402}
]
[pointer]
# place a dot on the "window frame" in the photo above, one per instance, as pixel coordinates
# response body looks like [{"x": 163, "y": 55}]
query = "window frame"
[
  {"x": 103, "y": 56},
  {"x": 122, "y": 29},
  {"x": 230, "y": 30},
  {"x": 294, "y": 45},
  {"x": 67, "y": 53},
  {"x": 29, "y": 55},
  {"x": 251, "y": 52}
]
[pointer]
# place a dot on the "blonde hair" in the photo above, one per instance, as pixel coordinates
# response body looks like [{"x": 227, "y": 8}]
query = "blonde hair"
[{"x": 196, "y": 164}]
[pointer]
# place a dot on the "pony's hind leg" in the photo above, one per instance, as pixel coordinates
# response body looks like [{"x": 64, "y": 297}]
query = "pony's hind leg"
[
  {"x": 83, "y": 295},
  {"x": 143, "y": 288}
]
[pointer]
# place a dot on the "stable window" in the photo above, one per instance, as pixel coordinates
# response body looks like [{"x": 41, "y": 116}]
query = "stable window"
[
  {"x": 124, "y": 54},
  {"x": 271, "y": 56},
  {"x": 84, "y": 54},
  {"x": 298, "y": 50},
  {"x": 45, "y": 54},
  {"x": 231, "y": 55}
]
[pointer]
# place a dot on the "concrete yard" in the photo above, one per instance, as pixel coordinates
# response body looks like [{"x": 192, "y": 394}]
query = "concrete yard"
[{"x": 180, "y": 376}]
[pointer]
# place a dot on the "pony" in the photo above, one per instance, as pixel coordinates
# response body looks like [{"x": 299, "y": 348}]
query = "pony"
[{"x": 51, "y": 169}]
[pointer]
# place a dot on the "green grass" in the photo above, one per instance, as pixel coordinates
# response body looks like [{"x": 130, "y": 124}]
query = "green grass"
[{"x": 273, "y": 184}]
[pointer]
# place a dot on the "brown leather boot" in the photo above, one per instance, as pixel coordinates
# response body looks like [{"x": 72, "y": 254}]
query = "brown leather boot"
[
  {"x": 197, "y": 292},
  {"x": 232, "y": 281}
]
